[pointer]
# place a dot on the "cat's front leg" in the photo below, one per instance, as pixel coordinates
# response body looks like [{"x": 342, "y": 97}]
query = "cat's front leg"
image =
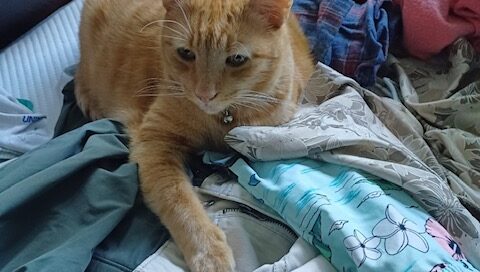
[{"x": 169, "y": 194}]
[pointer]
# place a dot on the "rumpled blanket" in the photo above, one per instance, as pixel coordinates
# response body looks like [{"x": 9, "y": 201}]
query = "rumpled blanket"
[
  {"x": 349, "y": 37},
  {"x": 444, "y": 96},
  {"x": 72, "y": 205},
  {"x": 429, "y": 26},
  {"x": 429, "y": 146}
]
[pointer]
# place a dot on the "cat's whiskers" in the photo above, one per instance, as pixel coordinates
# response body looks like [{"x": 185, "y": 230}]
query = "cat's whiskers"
[
  {"x": 184, "y": 16},
  {"x": 160, "y": 89},
  {"x": 160, "y": 94},
  {"x": 156, "y": 79},
  {"x": 153, "y": 92},
  {"x": 159, "y": 82},
  {"x": 255, "y": 105},
  {"x": 251, "y": 94},
  {"x": 236, "y": 105},
  {"x": 173, "y": 37},
  {"x": 259, "y": 95},
  {"x": 182, "y": 35},
  {"x": 163, "y": 87},
  {"x": 163, "y": 21},
  {"x": 255, "y": 100}
]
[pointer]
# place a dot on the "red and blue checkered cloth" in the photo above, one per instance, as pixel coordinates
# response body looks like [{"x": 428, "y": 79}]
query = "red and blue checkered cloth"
[{"x": 353, "y": 38}]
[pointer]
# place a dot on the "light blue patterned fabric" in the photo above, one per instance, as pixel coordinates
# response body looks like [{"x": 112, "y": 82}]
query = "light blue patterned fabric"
[{"x": 358, "y": 221}]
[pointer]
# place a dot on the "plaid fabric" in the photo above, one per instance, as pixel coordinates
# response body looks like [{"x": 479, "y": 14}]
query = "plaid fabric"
[{"x": 351, "y": 38}]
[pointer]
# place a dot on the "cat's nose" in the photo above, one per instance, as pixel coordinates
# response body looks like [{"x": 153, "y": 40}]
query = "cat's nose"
[{"x": 206, "y": 97}]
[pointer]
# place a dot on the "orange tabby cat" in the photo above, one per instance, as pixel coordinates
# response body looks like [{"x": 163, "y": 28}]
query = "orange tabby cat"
[{"x": 180, "y": 74}]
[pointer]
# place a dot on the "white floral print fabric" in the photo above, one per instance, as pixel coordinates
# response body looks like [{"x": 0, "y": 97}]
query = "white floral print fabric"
[
  {"x": 399, "y": 232},
  {"x": 362, "y": 248},
  {"x": 427, "y": 141}
]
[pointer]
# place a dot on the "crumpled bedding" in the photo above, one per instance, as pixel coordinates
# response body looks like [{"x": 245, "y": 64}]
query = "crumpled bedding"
[
  {"x": 59, "y": 202},
  {"x": 423, "y": 137},
  {"x": 429, "y": 146},
  {"x": 398, "y": 139},
  {"x": 446, "y": 103}
]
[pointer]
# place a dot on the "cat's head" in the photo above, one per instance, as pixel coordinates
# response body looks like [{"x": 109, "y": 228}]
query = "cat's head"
[{"x": 225, "y": 53}]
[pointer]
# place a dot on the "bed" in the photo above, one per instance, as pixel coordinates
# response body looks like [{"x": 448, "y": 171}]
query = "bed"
[{"x": 368, "y": 176}]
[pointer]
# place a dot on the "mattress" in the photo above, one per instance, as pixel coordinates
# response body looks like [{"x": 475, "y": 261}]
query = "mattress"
[{"x": 32, "y": 67}]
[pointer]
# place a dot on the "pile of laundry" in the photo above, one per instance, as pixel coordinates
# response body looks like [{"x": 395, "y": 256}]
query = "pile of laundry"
[{"x": 355, "y": 37}]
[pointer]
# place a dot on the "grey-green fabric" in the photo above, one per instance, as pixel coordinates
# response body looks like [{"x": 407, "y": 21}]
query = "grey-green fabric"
[{"x": 73, "y": 204}]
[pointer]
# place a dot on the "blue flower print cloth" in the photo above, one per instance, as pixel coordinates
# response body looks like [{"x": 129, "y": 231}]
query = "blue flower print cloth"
[{"x": 358, "y": 221}]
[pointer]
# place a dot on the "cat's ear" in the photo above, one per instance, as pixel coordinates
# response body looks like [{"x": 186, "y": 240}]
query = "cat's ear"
[{"x": 274, "y": 12}]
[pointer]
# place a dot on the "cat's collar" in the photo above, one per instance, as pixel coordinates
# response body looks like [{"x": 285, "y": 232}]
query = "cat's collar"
[{"x": 227, "y": 117}]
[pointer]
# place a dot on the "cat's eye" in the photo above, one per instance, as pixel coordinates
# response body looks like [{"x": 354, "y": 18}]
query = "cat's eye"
[
  {"x": 237, "y": 60},
  {"x": 186, "y": 54}
]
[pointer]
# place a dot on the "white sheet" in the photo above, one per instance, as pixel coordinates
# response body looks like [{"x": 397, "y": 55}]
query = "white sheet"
[{"x": 32, "y": 67}]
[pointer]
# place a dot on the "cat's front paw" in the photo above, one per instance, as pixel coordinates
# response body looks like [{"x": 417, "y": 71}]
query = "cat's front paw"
[{"x": 214, "y": 255}]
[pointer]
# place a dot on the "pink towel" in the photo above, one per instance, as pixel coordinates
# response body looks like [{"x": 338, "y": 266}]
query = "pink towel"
[{"x": 431, "y": 25}]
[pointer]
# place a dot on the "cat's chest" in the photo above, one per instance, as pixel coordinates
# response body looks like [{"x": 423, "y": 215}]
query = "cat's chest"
[
  {"x": 213, "y": 134},
  {"x": 203, "y": 131}
]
